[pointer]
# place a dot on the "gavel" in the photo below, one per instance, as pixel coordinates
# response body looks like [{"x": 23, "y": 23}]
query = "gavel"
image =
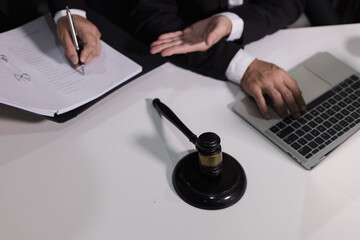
[{"x": 207, "y": 178}]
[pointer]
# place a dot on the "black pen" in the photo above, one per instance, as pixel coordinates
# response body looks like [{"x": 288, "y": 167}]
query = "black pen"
[{"x": 74, "y": 35}]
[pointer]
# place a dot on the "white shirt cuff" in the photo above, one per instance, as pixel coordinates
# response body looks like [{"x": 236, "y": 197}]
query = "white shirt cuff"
[
  {"x": 62, "y": 13},
  {"x": 237, "y": 25},
  {"x": 235, "y": 3},
  {"x": 238, "y": 66}
]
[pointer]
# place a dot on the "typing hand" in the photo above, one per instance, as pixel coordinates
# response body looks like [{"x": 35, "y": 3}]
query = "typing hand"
[
  {"x": 266, "y": 79},
  {"x": 89, "y": 35},
  {"x": 198, "y": 37}
]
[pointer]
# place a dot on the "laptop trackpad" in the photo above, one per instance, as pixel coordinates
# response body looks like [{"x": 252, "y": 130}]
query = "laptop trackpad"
[{"x": 310, "y": 85}]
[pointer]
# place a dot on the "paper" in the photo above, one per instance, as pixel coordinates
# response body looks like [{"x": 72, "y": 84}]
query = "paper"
[{"x": 55, "y": 86}]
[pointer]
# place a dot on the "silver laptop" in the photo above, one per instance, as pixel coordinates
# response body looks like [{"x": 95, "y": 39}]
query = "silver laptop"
[{"x": 331, "y": 90}]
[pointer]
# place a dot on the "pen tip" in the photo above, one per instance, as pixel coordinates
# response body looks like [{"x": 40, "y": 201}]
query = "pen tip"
[{"x": 82, "y": 70}]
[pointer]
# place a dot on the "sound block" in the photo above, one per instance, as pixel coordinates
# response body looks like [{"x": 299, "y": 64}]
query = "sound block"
[{"x": 209, "y": 192}]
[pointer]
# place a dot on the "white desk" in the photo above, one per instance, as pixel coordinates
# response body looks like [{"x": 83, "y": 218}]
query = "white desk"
[{"x": 107, "y": 173}]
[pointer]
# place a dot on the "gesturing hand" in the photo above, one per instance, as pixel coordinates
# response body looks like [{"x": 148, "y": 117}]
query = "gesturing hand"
[
  {"x": 200, "y": 36},
  {"x": 266, "y": 79},
  {"x": 89, "y": 35}
]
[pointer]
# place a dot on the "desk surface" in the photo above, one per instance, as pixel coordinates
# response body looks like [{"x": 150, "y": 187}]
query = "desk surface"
[{"x": 106, "y": 174}]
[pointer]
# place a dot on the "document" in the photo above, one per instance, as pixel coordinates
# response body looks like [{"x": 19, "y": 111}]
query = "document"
[{"x": 36, "y": 76}]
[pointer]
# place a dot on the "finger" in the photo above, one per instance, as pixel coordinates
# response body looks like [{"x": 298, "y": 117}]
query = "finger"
[
  {"x": 88, "y": 53},
  {"x": 170, "y": 35},
  {"x": 98, "y": 45},
  {"x": 90, "y": 57},
  {"x": 69, "y": 47},
  {"x": 162, "y": 41},
  {"x": 182, "y": 49},
  {"x": 214, "y": 34},
  {"x": 294, "y": 88},
  {"x": 261, "y": 103},
  {"x": 290, "y": 102},
  {"x": 278, "y": 102},
  {"x": 98, "y": 48},
  {"x": 212, "y": 38},
  {"x": 161, "y": 47},
  {"x": 90, "y": 48}
]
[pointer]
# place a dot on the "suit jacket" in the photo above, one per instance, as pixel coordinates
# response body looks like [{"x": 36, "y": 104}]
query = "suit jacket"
[
  {"x": 115, "y": 10},
  {"x": 321, "y": 12},
  {"x": 14, "y": 13},
  {"x": 57, "y": 5},
  {"x": 150, "y": 18}
]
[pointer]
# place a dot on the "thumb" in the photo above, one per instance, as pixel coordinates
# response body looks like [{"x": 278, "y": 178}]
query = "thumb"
[
  {"x": 220, "y": 28},
  {"x": 212, "y": 38},
  {"x": 214, "y": 34}
]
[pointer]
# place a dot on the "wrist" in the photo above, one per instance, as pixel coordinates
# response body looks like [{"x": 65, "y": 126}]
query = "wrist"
[{"x": 239, "y": 65}]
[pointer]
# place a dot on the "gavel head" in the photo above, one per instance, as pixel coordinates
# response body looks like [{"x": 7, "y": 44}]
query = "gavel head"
[{"x": 210, "y": 154}]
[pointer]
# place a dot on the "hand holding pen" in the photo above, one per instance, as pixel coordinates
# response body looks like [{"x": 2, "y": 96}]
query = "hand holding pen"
[
  {"x": 74, "y": 36},
  {"x": 87, "y": 32}
]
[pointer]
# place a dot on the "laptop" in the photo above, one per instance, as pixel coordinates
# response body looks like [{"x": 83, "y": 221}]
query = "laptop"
[{"x": 331, "y": 90}]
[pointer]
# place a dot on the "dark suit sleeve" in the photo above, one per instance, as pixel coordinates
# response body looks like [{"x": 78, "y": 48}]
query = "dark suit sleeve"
[
  {"x": 57, "y": 5},
  {"x": 261, "y": 17},
  {"x": 264, "y": 17}
]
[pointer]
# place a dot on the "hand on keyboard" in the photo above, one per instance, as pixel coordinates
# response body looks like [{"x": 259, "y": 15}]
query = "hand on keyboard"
[{"x": 265, "y": 79}]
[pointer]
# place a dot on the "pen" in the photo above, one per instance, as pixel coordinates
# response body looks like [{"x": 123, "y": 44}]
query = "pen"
[{"x": 74, "y": 34}]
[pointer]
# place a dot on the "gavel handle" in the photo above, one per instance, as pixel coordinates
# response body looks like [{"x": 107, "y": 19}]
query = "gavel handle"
[{"x": 170, "y": 115}]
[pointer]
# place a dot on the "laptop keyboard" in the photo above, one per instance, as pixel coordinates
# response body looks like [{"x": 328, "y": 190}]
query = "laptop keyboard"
[{"x": 327, "y": 118}]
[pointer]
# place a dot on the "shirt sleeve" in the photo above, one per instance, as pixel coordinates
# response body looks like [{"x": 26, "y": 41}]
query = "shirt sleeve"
[
  {"x": 62, "y": 13},
  {"x": 238, "y": 65},
  {"x": 237, "y": 25}
]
